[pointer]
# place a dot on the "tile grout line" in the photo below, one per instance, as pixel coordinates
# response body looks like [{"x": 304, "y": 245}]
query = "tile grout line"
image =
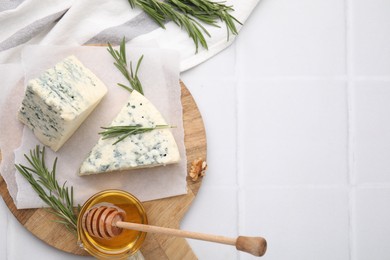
[
  {"x": 350, "y": 129},
  {"x": 240, "y": 199},
  {"x": 336, "y": 78}
]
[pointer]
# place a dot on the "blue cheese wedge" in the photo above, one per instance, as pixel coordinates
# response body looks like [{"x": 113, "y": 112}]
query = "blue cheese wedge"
[
  {"x": 148, "y": 149},
  {"x": 59, "y": 100}
]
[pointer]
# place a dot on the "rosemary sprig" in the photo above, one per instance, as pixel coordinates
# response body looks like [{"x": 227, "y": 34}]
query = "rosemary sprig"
[
  {"x": 124, "y": 131},
  {"x": 59, "y": 198},
  {"x": 208, "y": 12},
  {"x": 121, "y": 64},
  {"x": 187, "y": 13}
]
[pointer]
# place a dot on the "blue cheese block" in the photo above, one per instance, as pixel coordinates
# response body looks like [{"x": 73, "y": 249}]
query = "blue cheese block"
[
  {"x": 154, "y": 148},
  {"x": 59, "y": 100}
]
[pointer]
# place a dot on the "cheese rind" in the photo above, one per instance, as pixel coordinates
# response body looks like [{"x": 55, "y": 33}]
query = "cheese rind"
[
  {"x": 149, "y": 149},
  {"x": 59, "y": 100}
]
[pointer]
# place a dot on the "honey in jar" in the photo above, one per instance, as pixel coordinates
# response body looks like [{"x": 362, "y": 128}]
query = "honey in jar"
[{"x": 123, "y": 245}]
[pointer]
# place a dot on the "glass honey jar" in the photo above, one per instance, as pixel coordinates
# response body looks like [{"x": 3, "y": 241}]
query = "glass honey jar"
[{"x": 129, "y": 241}]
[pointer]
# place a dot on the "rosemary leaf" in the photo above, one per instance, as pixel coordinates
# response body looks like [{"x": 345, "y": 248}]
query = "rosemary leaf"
[
  {"x": 125, "y": 87},
  {"x": 122, "y": 132},
  {"x": 44, "y": 183}
]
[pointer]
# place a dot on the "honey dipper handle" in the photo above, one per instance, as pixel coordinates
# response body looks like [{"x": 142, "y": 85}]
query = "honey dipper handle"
[{"x": 253, "y": 245}]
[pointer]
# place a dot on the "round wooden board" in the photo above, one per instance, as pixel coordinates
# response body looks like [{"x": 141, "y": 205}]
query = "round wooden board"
[{"x": 166, "y": 212}]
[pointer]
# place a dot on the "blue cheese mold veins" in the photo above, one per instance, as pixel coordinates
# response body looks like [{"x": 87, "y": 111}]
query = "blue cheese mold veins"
[
  {"x": 154, "y": 148},
  {"x": 59, "y": 100}
]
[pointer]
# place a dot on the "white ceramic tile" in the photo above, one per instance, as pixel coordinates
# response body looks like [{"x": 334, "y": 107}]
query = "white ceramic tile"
[
  {"x": 371, "y": 109},
  {"x": 372, "y": 214},
  {"x": 290, "y": 38},
  {"x": 214, "y": 211},
  {"x": 293, "y": 132},
  {"x": 371, "y": 37},
  {"x": 24, "y": 245},
  {"x": 3, "y": 227},
  {"x": 219, "y": 120},
  {"x": 298, "y": 223}
]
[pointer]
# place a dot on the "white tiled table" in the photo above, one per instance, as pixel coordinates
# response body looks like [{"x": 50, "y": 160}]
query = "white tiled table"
[{"x": 297, "y": 114}]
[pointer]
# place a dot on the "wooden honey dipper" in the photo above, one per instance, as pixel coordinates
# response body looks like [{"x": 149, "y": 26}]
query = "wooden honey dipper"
[{"x": 104, "y": 220}]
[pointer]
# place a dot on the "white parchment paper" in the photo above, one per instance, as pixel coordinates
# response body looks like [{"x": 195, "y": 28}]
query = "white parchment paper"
[
  {"x": 12, "y": 93},
  {"x": 159, "y": 74}
]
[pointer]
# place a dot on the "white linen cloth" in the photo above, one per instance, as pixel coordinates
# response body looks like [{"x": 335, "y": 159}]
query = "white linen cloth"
[{"x": 66, "y": 22}]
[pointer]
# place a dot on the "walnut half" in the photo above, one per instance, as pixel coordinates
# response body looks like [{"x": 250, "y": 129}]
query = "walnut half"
[{"x": 198, "y": 169}]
